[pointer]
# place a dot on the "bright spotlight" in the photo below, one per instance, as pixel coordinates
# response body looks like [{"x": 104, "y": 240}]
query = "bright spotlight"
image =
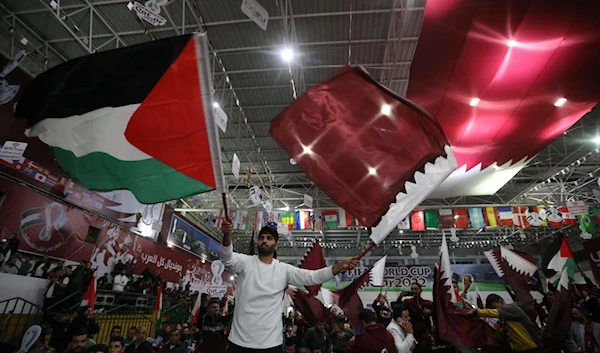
[
  {"x": 306, "y": 150},
  {"x": 386, "y": 109},
  {"x": 372, "y": 171},
  {"x": 474, "y": 102},
  {"x": 511, "y": 43},
  {"x": 560, "y": 102},
  {"x": 287, "y": 208},
  {"x": 596, "y": 140},
  {"x": 215, "y": 104},
  {"x": 287, "y": 54}
]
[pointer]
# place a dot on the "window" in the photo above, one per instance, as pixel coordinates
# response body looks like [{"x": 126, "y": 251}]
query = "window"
[{"x": 92, "y": 235}]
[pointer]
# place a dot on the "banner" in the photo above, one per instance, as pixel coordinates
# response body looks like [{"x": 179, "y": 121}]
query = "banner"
[{"x": 592, "y": 252}]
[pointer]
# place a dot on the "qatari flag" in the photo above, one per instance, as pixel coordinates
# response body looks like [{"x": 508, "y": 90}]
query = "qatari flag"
[
  {"x": 314, "y": 260},
  {"x": 376, "y": 154}
]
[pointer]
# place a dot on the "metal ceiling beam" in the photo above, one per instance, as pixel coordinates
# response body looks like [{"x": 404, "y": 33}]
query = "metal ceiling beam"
[
  {"x": 67, "y": 28},
  {"x": 372, "y": 66}
]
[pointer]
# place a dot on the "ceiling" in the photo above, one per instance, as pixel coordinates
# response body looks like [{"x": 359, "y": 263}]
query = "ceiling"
[{"x": 253, "y": 84}]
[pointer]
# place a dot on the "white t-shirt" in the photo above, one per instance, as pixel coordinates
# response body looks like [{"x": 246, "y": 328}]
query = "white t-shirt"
[
  {"x": 119, "y": 283},
  {"x": 259, "y": 297}
]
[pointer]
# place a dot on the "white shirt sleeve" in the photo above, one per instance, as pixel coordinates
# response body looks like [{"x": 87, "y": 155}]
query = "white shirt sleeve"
[
  {"x": 301, "y": 277},
  {"x": 232, "y": 260},
  {"x": 403, "y": 344}
]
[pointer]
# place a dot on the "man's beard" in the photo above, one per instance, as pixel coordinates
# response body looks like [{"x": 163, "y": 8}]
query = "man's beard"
[{"x": 266, "y": 251}]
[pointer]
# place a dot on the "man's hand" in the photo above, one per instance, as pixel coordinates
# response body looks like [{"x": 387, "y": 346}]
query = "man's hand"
[
  {"x": 407, "y": 327},
  {"x": 427, "y": 312},
  {"x": 346, "y": 265},
  {"x": 227, "y": 228}
]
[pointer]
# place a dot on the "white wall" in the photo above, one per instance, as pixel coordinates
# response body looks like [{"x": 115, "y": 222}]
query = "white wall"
[{"x": 29, "y": 288}]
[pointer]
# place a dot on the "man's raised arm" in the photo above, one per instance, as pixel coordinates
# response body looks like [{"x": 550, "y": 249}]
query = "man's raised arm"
[{"x": 231, "y": 260}]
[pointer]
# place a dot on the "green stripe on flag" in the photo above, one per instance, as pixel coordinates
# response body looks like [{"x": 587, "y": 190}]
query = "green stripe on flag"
[{"x": 150, "y": 180}]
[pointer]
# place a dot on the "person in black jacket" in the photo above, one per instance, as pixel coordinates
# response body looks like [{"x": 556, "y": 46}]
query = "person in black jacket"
[
  {"x": 85, "y": 318},
  {"x": 140, "y": 345},
  {"x": 384, "y": 314},
  {"x": 316, "y": 338},
  {"x": 212, "y": 326},
  {"x": 174, "y": 345}
]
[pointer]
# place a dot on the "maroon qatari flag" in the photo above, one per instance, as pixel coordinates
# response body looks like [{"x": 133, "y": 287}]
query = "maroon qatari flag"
[
  {"x": 314, "y": 260},
  {"x": 311, "y": 308},
  {"x": 558, "y": 324},
  {"x": 452, "y": 326},
  {"x": 363, "y": 145},
  {"x": 349, "y": 300}
]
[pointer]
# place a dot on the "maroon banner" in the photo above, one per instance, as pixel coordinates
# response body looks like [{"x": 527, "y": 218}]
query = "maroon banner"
[{"x": 592, "y": 252}]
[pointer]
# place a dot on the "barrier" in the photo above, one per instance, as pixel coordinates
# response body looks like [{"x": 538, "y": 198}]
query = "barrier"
[{"x": 16, "y": 316}]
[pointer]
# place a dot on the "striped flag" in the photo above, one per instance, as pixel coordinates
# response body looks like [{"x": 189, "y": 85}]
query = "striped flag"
[
  {"x": 158, "y": 307},
  {"x": 505, "y": 215},
  {"x": 318, "y": 219},
  {"x": 491, "y": 219},
  {"x": 520, "y": 217},
  {"x": 345, "y": 219},
  {"x": 302, "y": 220},
  {"x": 89, "y": 298},
  {"x": 196, "y": 309},
  {"x": 331, "y": 219},
  {"x": 446, "y": 218},
  {"x": 568, "y": 218},
  {"x": 476, "y": 218}
]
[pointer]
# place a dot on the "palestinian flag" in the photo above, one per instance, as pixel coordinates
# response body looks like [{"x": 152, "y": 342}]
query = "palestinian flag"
[
  {"x": 158, "y": 307},
  {"x": 557, "y": 257},
  {"x": 139, "y": 118},
  {"x": 89, "y": 298},
  {"x": 196, "y": 308}
]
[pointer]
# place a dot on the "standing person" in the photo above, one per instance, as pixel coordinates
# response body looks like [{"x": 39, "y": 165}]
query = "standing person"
[
  {"x": 316, "y": 338},
  {"x": 140, "y": 345},
  {"x": 520, "y": 331},
  {"x": 25, "y": 266},
  {"x": 584, "y": 334},
  {"x": 340, "y": 336},
  {"x": 120, "y": 281},
  {"x": 374, "y": 338},
  {"x": 419, "y": 308},
  {"x": 262, "y": 281},
  {"x": 384, "y": 314},
  {"x": 402, "y": 330},
  {"x": 214, "y": 339}
]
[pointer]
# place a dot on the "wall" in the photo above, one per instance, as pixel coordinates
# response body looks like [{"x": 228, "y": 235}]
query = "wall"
[{"x": 28, "y": 288}]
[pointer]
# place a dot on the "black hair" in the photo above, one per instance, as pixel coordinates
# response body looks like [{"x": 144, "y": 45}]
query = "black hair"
[
  {"x": 271, "y": 231},
  {"x": 492, "y": 299},
  {"x": 116, "y": 326},
  {"x": 339, "y": 319},
  {"x": 214, "y": 301},
  {"x": 79, "y": 332},
  {"x": 133, "y": 328},
  {"x": 320, "y": 320},
  {"x": 581, "y": 310},
  {"x": 416, "y": 284},
  {"x": 290, "y": 341},
  {"x": 398, "y": 309},
  {"x": 367, "y": 315},
  {"x": 97, "y": 348},
  {"x": 117, "y": 339}
]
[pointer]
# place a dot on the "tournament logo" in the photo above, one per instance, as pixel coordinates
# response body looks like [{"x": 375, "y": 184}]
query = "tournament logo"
[{"x": 55, "y": 227}]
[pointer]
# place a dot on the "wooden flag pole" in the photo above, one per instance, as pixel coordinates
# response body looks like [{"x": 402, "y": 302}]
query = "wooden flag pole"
[{"x": 224, "y": 195}]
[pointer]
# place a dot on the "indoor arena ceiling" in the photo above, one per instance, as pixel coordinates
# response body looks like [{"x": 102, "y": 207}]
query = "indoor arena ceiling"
[{"x": 253, "y": 83}]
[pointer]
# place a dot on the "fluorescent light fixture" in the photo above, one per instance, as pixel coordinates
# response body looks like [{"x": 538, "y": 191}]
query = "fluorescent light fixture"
[
  {"x": 596, "y": 139},
  {"x": 386, "y": 109},
  {"x": 372, "y": 171},
  {"x": 474, "y": 102},
  {"x": 560, "y": 102},
  {"x": 287, "y": 54},
  {"x": 511, "y": 43},
  {"x": 215, "y": 104}
]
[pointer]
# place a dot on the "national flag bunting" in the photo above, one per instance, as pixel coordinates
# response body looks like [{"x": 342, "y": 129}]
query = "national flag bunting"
[
  {"x": 432, "y": 219},
  {"x": 147, "y": 126},
  {"x": 404, "y": 154},
  {"x": 461, "y": 218},
  {"x": 476, "y": 218},
  {"x": 331, "y": 219},
  {"x": 505, "y": 216},
  {"x": 446, "y": 218},
  {"x": 491, "y": 219},
  {"x": 417, "y": 220}
]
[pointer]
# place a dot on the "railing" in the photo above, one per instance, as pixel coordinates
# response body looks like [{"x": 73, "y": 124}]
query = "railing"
[
  {"x": 16, "y": 316},
  {"x": 125, "y": 302},
  {"x": 70, "y": 302}
]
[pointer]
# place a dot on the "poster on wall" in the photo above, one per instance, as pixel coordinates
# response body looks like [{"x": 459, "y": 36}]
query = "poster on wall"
[{"x": 185, "y": 236}]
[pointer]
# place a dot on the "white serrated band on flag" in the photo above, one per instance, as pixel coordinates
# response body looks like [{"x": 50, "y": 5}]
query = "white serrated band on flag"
[
  {"x": 495, "y": 262},
  {"x": 377, "y": 272},
  {"x": 326, "y": 297},
  {"x": 445, "y": 269},
  {"x": 517, "y": 262},
  {"x": 206, "y": 87},
  {"x": 415, "y": 193}
]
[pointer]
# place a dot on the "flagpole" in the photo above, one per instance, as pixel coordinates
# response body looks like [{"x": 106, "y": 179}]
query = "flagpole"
[{"x": 224, "y": 196}]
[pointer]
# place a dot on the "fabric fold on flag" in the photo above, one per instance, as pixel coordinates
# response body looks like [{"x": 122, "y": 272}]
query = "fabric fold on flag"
[
  {"x": 378, "y": 272},
  {"x": 147, "y": 126},
  {"x": 558, "y": 323},
  {"x": 314, "y": 260}
]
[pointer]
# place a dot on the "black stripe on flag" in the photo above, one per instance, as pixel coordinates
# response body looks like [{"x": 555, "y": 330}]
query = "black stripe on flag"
[
  {"x": 550, "y": 252},
  {"x": 113, "y": 78}
]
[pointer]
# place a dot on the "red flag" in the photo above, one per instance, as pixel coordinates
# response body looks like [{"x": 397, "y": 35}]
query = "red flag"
[
  {"x": 461, "y": 217},
  {"x": 311, "y": 308},
  {"x": 349, "y": 300},
  {"x": 196, "y": 308},
  {"x": 396, "y": 151},
  {"x": 417, "y": 220},
  {"x": 558, "y": 323},
  {"x": 89, "y": 298},
  {"x": 314, "y": 260}
]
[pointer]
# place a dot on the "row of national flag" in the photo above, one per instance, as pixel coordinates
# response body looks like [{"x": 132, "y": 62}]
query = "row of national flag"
[{"x": 418, "y": 220}]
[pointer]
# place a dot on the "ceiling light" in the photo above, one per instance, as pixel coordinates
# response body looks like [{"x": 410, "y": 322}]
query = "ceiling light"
[
  {"x": 287, "y": 54},
  {"x": 232, "y": 278},
  {"x": 474, "y": 102},
  {"x": 306, "y": 150},
  {"x": 287, "y": 208},
  {"x": 130, "y": 6},
  {"x": 560, "y": 102},
  {"x": 215, "y": 104},
  {"x": 511, "y": 43},
  {"x": 596, "y": 140},
  {"x": 372, "y": 171},
  {"x": 386, "y": 109}
]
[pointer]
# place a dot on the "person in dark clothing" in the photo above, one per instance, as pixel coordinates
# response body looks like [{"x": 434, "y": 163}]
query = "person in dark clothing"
[
  {"x": 214, "y": 339},
  {"x": 316, "y": 337},
  {"x": 340, "y": 336},
  {"x": 97, "y": 348},
  {"x": 420, "y": 309},
  {"x": 140, "y": 345},
  {"x": 592, "y": 305},
  {"x": 374, "y": 337},
  {"x": 13, "y": 244},
  {"x": 60, "y": 332},
  {"x": 424, "y": 340},
  {"x": 41, "y": 267},
  {"x": 174, "y": 345},
  {"x": 85, "y": 318},
  {"x": 384, "y": 314}
]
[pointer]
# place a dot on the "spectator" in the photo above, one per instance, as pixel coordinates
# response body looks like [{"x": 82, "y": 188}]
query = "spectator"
[
  {"x": 120, "y": 281},
  {"x": 174, "y": 345},
  {"x": 102, "y": 281},
  {"x": 86, "y": 319},
  {"x": 97, "y": 348},
  {"x": 130, "y": 335},
  {"x": 41, "y": 267},
  {"x": 25, "y": 266},
  {"x": 290, "y": 345},
  {"x": 114, "y": 332},
  {"x": 585, "y": 334},
  {"x": 39, "y": 346},
  {"x": 401, "y": 329},
  {"x": 10, "y": 266},
  {"x": 213, "y": 329},
  {"x": 116, "y": 344},
  {"x": 60, "y": 332},
  {"x": 316, "y": 337},
  {"x": 57, "y": 289},
  {"x": 79, "y": 341},
  {"x": 140, "y": 345},
  {"x": 13, "y": 245},
  {"x": 374, "y": 338},
  {"x": 289, "y": 331},
  {"x": 419, "y": 308},
  {"x": 384, "y": 314},
  {"x": 340, "y": 336}
]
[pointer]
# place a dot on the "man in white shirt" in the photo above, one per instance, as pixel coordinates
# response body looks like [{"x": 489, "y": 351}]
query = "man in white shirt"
[
  {"x": 120, "y": 281},
  {"x": 262, "y": 281},
  {"x": 401, "y": 329}
]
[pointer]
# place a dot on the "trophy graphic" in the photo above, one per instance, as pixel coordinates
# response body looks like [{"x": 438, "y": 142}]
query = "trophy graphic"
[{"x": 217, "y": 268}]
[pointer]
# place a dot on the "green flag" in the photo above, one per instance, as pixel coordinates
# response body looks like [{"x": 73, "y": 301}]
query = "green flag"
[
  {"x": 586, "y": 223},
  {"x": 432, "y": 219}
]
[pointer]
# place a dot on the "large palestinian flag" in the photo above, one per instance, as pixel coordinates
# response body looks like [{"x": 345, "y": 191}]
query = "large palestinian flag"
[
  {"x": 559, "y": 257},
  {"x": 137, "y": 118}
]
